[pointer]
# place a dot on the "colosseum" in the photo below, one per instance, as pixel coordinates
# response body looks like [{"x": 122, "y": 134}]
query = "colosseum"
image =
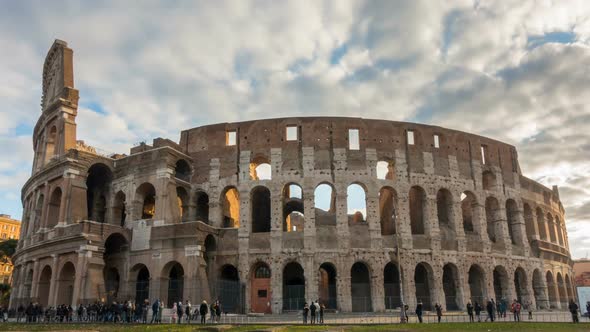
[{"x": 264, "y": 215}]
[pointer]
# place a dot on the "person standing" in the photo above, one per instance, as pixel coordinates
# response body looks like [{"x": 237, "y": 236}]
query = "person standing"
[
  {"x": 174, "y": 313},
  {"x": 322, "y": 307},
  {"x": 187, "y": 311},
  {"x": 305, "y": 312},
  {"x": 218, "y": 311},
  {"x": 203, "y": 308},
  {"x": 573, "y": 308},
  {"x": 588, "y": 309},
  {"x": 490, "y": 311},
  {"x": 155, "y": 308},
  {"x": 516, "y": 310},
  {"x": 419, "y": 311},
  {"x": 530, "y": 309},
  {"x": 470, "y": 311},
  {"x": 438, "y": 309},
  {"x": 312, "y": 310},
  {"x": 180, "y": 312}
]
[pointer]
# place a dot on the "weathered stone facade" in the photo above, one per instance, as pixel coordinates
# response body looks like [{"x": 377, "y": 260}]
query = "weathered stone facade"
[{"x": 233, "y": 211}]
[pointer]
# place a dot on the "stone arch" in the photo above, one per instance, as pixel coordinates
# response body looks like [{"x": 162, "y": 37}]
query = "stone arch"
[
  {"x": 385, "y": 170},
  {"x": 65, "y": 284},
  {"x": 477, "y": 284},
  {"x": 293, "y": 286},
  {"x": 202, "y": 206},
  {"x": 182, "y": 198},
  {"x": 173, "y": 283},
  {"x": 392, "y": 286},
  {"x": 451, "y": 287},
  {"x": 417, "y": 209},
  {"x": 327, "y": 288},
  {"x": 260, "y": 209},
  {"x": 492, "y": 215},
  {"x": 260, "y": 289},
  {"x": 43, "y": 286},
  {"x": 521, "y": 286},
  {"x": 325, "y": 204},
  {"x": 360, "y": 288},
  {"x": 561, "y": 291},
  {"x": 468, "y": 211},
  {"x": 500, "y": 280},
  {"x": 116, "y": 248},
  {"x": 182, "y": 170},
  {"x": 529, "y": 222},
  {"x": 356, "y": 203},
  {"x": 98, "y": 183},
  {"x": 119, "y": 209},
  {"x": 54, "y": 207},
  {"x": 230, "y": 207},
  {"x": 388, "y": 210},
  {"x": 539, "y": 289},
  {"x": 541, "y": 224},
  {"x": 140, "y": 277},
  {"x": 424, "y": 285},
  {"x": 512, "y": 220},
  {"x": 260, "y": 168},
  {"x": 293, "y": 208},
  {"x": 551, "y": 287},
  {"x": 145, "y": 196},
  {"x": 229, "y": 289},
  {"x": 488, "y": 180}
]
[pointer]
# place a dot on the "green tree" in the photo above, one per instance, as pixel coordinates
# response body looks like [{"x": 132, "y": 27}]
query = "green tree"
[{"x": 7, "y": 249}]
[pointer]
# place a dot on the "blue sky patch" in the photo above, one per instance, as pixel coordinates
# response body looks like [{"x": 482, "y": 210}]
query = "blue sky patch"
[{"x": 561, "y": 37}]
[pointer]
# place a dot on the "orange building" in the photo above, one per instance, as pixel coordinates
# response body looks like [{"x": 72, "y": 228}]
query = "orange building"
[
  {"x": 9, "y": 229},
  {"x": 582, "y": 272}
]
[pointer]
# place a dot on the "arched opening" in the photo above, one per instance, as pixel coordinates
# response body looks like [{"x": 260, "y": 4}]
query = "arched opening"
[
  {"x": 209, "y": 255},
  {"x": 182, "y": 170},
  {"x": 327, "y": 286},
  {"x": 520, "y": 285},
  {"x": 260, "y": 169},
  {"x": 260, "y": 293},
  {"x": 145, "y": 196},
  {"x": 568, "y": 287},
  {"x": 115, "y": 260},
  {"x": 53, "y": 208},
  {"x": 356, "y": 202},
  {"x": 142, "y": 283},
  {"x": 387, "y": 210},
  {"x": 529, "y": 222},
  {"x": 119, "y": 211},
  {"x": 477, "y": 285},
  {"x": 360, "y": 288},
  {"x": 423, "y": 283},
  {"x": 229, "y": 289},
  {"x": 260, "y": 209},
  {"x": 202, "y": 205},
  {"x": 293, "y": 287},
  {"x": 492, "y": 215},
  {"x": 553, "y": 299},
  {"x": 541, "y": 225},
  {"x": 551, "y": 224},
  {"x": 293, "y": 218},
  {"x": 325, "y": 205},
  {"x": 444, "y": 212},
  {"x": 98, "y": 184},
  {"x": 175, "y": 284},
  {"x": 385, "y": 170},
  {"x": 182, "y": 199},
  {"x": 43, "y": 286},
  {"x": 230, "y": 203},
  {"x": 488, "y": 180},
  {"x": 512, "y": 219},
  {"x": 451, "y": 287},
  {"x": 417, "y": 209},
  {"x": 391, "y": 286},
  {"x": 562, "y": 292},
  {"x": 50, "y": 142},
  {"x": 65, "y": 284},
  {"x": 468, "y": 211},
  {"x": 539, "y": 289},
  {"x": 501, "y": 284}
]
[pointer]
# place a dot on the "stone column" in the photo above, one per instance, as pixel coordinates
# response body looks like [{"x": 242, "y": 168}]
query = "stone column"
[
  {"x": 404, "y": 228},
  {"x": 276, "y": 286},
  {"x": 457, "y": 223},
  {"x": 309, "y": 231},
  {"x": 276, "y": 222},
  {"x": 53, "y": 284},
  {"x": 377, "y": 289},
  {"x": 373, "y": 219},
  {"x": 343, "y": 284},
  {"x": 35, "y": 284},
  {"x": 80, "y": 268},
  {"x": 311, "y": 278},
  {"x": 342, "y": 217},
  {"x": 431, "y": 225}
]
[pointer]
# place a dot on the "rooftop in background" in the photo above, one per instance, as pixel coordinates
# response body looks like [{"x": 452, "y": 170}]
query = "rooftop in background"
[
  {"x": 7, "y": 218},
  {"x": 582, "y": 272}
]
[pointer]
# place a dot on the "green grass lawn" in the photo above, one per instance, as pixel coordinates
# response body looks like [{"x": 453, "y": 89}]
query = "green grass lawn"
[{"x": 484, "y": 327}]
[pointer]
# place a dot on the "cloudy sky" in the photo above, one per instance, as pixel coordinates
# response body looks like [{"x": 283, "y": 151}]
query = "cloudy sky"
[{"x": 517, "y": 71}]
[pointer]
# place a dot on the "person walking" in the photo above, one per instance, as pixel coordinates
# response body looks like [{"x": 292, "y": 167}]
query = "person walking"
[
  {"x": 490, "y": 311},
  {"x": 419, "y": 311},
  {"x": 155, "y": 308},
  {"x": 203, "y": 308},
  {"x": 470, "y": 311},
  {"x": 322, "y": 307},
  {"x": 515, "y": 308},
  {"x": 174, "y": 313},
  {"x": 217, "y": 311},
  {"x": 529, "y": 308},
  {"x": 187, "y": 311},
  {"x": 180, "y": 312},
  {"x": 573, "y": 308},
  {"x": 312, "y": 310},
  {"x": 438, "y": 309},
  {"x": 305, "y": 312}
]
